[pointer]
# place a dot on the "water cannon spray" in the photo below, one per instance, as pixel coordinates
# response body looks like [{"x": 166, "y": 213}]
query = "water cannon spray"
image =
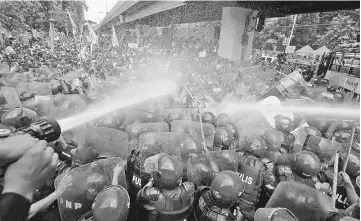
[{"x": 44, "y": 129}]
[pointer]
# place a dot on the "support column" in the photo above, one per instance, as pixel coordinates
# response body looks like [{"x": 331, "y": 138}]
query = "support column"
[{"x": 237, "y": 34}]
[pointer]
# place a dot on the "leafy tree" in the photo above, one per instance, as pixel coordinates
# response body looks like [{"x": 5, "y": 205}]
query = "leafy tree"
[
  {"x": 316, "y": 29},
  {"x": 27, "y": 15},
  {"x": 344, "y": 30}
]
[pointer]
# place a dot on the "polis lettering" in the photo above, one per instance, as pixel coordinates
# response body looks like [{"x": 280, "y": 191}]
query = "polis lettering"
[
  {"x": 246, "y": 179},
  {"x": 137, "y": 181},
  {"x": 339, "y": 199}
]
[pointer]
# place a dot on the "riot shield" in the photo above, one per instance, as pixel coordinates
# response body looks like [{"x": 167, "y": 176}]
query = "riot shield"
[
  {"x": 11, "y": 96},
  {"x": 178, "y": 114},
  {"x": 274, "y": 214},
  {"x": 246, "y": 133},
  {"x": 39, "y": 88},
  {"x": 70, "y": 101},
  {"x": 151, "y": 106},
  {"x": 201, "y": 168},
  {"x": 106, "y": 141},
  {"x": 87, "y": 181},
  {"x": 136, "y": 129},
  {"x": 154, "y": 143},
  {"x": 194, "y": 130},
  {"x": 323, "y": 148},
  {"x": 305, "y": 202},
  {"x": 250, "y": 118},
  {"x": 225, "y": 159},
  {"x": 19, "y": 117},
  {"x": 138, "y": 116},
  {"x": 300, "y": 139},
  {"x": 111, "y": 204}
]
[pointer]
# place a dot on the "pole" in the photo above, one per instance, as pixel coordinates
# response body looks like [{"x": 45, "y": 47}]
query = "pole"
[
  {"x": 293, "y": 28},
  {"x": 334, "y": 183},
  {"x": 106, "y": 6},
  {"x": 200, "y": 120},
  {"x": 349, "y": 149}
]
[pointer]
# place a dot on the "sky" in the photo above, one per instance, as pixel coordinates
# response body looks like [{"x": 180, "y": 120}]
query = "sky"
[{"x": 96, "y": 6}]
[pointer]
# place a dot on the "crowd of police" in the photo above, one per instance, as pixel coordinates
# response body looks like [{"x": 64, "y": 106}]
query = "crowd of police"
[{"x": 163, "y": 160}]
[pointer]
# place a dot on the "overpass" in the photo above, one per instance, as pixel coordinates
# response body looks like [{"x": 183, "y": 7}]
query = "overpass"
[{"x": 238, "y": 17}]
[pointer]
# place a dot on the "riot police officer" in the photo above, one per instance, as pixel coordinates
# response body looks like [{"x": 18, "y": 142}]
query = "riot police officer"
[
  {"x": 223, "y": 138},
  {"x": 215, "y": 203},
  {"x": 114, "y": 193},
  {"x": 255, "y": 171},
  {"x": 168, "y": 199},
  {"x": 304, "y": 168},
  {"x": 83, "y": 156}
]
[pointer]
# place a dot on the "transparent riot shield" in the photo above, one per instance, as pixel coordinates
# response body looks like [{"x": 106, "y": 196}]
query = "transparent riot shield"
[
  {"x": 11, "y": 96},
  {"x": 323, "y": 148},
  {"x": 225, "y": 159},
  {"x": 194, "y": 130},
  {"x": 138, "y": 116},
  {"x": 152, "y": 106},
  {"x": 303, "y": 201},
  {"x": 106, "y": 141},
  {"x": 43, "y": 101},
  {"x": 200, "y": 169},
  {"x": 118, "y": 201},
  {"x": 70, "y": 101},
  {"x": 58, "y": 113},
  {"x": 273, "y": 214},
  {"x": 250, "y": 118},
  {"x": 154, "y": 143},
  {"x": 39, "y": 88},
  {"x": 134, "y": 130},
  {"x": 246, "y": 133},
  {"x": 178, "y": 114},
  {"x": 87, "y": 181}
]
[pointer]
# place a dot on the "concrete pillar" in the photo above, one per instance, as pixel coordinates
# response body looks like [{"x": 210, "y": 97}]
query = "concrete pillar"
[{"x": 233, "y": 27}]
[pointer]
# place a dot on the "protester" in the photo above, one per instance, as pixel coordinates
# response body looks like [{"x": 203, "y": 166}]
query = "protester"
[
  {"x": 23, "y": 177},
  {"x": 47, "y": 201}
]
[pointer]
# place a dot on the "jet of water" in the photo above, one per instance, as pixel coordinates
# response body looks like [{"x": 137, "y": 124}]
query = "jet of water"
[
  {"x": 120, "y": 98},
  {"x": 334, "y": 112}
]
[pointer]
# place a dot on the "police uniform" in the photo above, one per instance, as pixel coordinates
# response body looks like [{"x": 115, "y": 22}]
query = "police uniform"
[
  {"x": 167, "y": 200},
  {"x": 215, "y": 203},
  {"x": 254, "y": 173},
  {"x": 164, "y": 205}
]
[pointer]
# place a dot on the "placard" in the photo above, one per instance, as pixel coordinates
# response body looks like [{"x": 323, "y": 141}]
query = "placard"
[
  {"x": 290, "y": 49},
  {"x": 352, "y": 84},
  {"x": 202, "y": 54},
  {"x": 132, "y": 45}
]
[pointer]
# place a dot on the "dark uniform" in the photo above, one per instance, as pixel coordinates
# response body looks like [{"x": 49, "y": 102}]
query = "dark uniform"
[
  {"x": 168, "y": 200},
  {"x": 255, "y": 172},
  {"x": 305, "y": 168},
  {"x": 216, "y": 202}
]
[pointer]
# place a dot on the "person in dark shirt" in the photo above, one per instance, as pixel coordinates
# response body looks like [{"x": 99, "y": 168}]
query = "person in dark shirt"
[{"x": 348, "y": 193}]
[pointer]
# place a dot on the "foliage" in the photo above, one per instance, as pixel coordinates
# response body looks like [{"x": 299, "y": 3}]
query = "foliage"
[
  {"x": 317, "y": 29},
  {"x": 25, "y": 16},
  {"x": 345, "y": 33}
]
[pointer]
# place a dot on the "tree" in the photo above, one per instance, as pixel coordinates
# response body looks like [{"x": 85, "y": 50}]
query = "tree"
[
  {"x": 343, "y": 30},
  {"x": 27, "y": 15},
  {"x": 316, "y": 29}
]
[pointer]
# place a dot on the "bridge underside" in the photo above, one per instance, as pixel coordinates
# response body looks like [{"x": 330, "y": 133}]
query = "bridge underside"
[{"x": 164, "y": 13}]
